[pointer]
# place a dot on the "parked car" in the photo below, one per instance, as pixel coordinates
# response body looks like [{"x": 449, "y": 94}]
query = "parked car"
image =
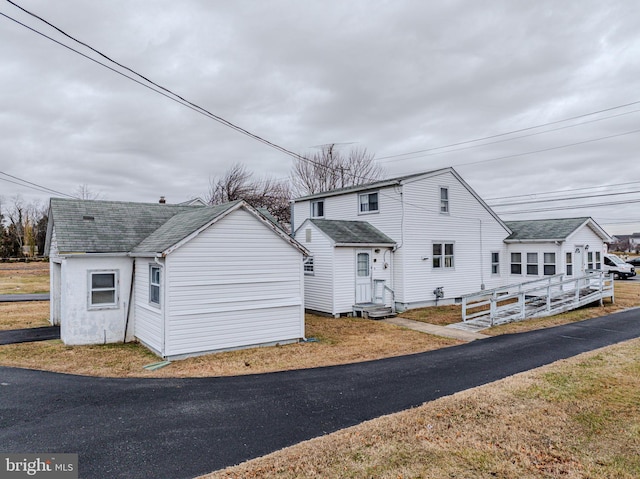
[
  {"x": 634, "y": 261},
  {"x": 616, "y": 266}
]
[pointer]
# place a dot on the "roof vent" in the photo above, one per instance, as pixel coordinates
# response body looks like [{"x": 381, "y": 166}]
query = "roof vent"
[
  {"x": 162, "y": 200},
  {"x": 88, "y": 218}
]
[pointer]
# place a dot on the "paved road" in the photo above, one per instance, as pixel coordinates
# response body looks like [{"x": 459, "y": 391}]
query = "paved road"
[
  {"x": 4, "y": 298},
  {"x": 180, "y": 428}
]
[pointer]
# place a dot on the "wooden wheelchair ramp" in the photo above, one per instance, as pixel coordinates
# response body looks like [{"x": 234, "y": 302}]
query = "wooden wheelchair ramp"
[{"x": 533, "y": 299}]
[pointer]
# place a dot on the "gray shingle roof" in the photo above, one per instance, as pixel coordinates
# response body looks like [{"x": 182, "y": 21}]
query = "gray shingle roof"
[
  {"x": 553, "y": 229},
  {"x": 178, "y": 227},
  {"x": 84, "y": 226},
  {"x": 352, "y": 232}
]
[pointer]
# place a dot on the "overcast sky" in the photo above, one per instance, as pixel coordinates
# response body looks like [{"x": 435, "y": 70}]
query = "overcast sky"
[{"x": 393, "y": 77}]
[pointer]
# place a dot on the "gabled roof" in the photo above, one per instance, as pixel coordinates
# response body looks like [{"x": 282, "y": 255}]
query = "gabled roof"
[
  {"x": 369, "y": 186},
  {"x": 550, "y": 229},
  {"x": 352, "y": 232},
  {"x": 92, "y": 226},
  {"x": 179, "y": 226},
  {"x": 115, "y": 227}
]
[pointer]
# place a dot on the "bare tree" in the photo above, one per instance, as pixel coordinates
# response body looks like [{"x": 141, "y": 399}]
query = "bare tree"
[
  {"x": 84, "y": 192},
  {"x": 238, "y": 184},
  {"x": 329, "y": 169}
]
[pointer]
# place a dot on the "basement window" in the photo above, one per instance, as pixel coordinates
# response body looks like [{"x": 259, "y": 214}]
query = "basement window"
[{"x": 103, "y": 289}]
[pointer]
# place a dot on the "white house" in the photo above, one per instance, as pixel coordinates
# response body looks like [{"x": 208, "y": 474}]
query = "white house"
[
  {"x": 424, "y": 239},
  {"x": 569, "y": 246},
  {"x": 429, "y": 237},
  {"x": 181, "y": 279}
]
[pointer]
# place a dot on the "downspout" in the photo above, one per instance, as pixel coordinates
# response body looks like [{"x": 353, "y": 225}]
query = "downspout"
[{"x": 126, "y": 323}]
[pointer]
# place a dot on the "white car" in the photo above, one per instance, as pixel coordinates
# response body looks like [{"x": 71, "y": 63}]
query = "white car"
[{"x": 616, "y": 266}]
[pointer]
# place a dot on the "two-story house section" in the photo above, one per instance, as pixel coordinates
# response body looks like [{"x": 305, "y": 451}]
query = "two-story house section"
[{"x": 416, "y": 240}]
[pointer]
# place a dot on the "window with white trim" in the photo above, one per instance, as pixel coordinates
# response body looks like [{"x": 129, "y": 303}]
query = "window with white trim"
[
  {"x": 495, "y": 262},
  {"x": 590, "y": 260},
  {"x": 516, "y": 263},
  {"x": 368, "y": 202},
  {"x": 549, "y": 266},
  {"x": 444, "y": 200},
  {"x": 598, "y": 260},
  {"x": 569, "y": 263},
  {"x": 317, "y": 209},
  {"x": 532, "y": 264},
  {"x": 154, "y": 284},
  {"x": 443, "y": 255},
  {"x": 103, "y": 289},
  {"x": 308, "y": 266}
]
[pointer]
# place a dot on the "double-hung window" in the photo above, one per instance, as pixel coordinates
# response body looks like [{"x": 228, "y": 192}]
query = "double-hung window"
[
  {"x": 590, "y": 260},
  {"x": 368, "y": 202},
  {"x": 317, "y": 209},
  {"x": 598, "y": 260},
  {"x": 443, "y": 255},
  {"x": 154, "y": 285},
  {"x": 569, "y": 263},
  {"x": 549, "y": 264},
  {"x": 495, "y": 262},
  {"x": 516, "y": 263},
  {"x": 103, "y": 289},
  {"x": 532, "y": 264},
  {"x": 444, "y": 200}
]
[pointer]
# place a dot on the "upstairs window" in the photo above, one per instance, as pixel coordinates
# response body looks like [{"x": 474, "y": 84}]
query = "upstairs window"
[
  {"x": 103, "y": 289},
  {"x": 444, "y": 200},
  {"x": 368, "y": 202},
  {"x": 443, "y": 255},
  {"x": 549, "y": 264},
  {"x": 154, "y": 285},
  {"x": 516, "y": 263},
  {"x": 532, "y": 264},
  {"x": 317, "y": 209}
]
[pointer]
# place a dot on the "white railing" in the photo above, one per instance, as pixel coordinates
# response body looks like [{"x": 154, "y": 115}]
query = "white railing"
[
  {"x": 540, "y": 297},
  {"x": 380, "y": 290}
]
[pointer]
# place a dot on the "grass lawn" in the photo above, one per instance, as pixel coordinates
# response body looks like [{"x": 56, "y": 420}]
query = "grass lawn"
[
  {"x": 577, "y": 418},
  {"x": 24, "y": 278}
]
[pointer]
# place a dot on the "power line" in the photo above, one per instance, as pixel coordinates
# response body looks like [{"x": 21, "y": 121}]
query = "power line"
[
  {"x": 561, "y": 191},
  {"x": 566, "y": 198},
  {"x": 517, "y": 131},
  {"x": 34, "y": 186},
  {"x": 574, "y": 207}
]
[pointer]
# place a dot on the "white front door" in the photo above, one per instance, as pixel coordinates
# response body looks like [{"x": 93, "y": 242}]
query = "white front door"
[{"x": 363, "y": 276}]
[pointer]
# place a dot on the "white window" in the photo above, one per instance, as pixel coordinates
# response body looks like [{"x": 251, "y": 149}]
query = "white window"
[
  {"x": 549, "y": 264},
  {"x": 495, "y": 262},
  {"x": 308, "y": 266},
  {"x": 363, "y": 265},
  {"x": 368, "y": 202},
  {"x": 569, "y": 261},
  {"x": 590, "y": 260},
  {"x": 154, "y": 285},
  {"x": 443, "y": 255},
  {"x": 103, "y": 289},
  {"x": 532, "y": 264},
  {"x": 516, "y": 263},
  {"x": 317, "y": 209},
  {"x": 444, "y": 200},
  {"x": 598, "y": 260}
]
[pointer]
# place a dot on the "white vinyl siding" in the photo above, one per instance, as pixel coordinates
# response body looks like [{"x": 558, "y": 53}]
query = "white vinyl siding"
[
  {"x": 235, "y": 284},
  {"x": 148, "y": 319}
]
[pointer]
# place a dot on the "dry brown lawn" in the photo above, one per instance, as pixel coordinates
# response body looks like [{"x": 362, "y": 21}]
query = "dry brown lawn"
[
  {"x": 577, "y": 418},
  {"x": 340, "y": 341},
  {"x": 29, "y": 314},
  {"x": 24, "y": 278}
]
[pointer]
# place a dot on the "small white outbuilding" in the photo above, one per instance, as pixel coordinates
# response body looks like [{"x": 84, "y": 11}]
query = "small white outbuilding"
[{"x": 181, "y": 279}]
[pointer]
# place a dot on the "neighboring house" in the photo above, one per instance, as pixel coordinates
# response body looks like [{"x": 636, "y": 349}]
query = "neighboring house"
[
  {"x": 425, "y": 237},
  {"x": 181, "y": 279},
  {"x": 539, "y": 248}
]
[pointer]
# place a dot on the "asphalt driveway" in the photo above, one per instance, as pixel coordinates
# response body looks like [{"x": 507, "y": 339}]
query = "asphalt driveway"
[{"x": 180, "y": 428}]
